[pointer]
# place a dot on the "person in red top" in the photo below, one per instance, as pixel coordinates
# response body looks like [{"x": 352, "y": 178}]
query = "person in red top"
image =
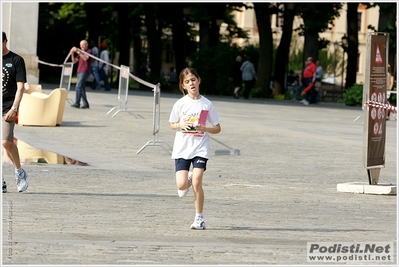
[
  {"x": 309, "y": 78},
  {"x": 83, "y": 72}
]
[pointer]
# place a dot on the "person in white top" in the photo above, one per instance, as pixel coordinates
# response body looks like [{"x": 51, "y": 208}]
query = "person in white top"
[
  {"x": 189, "y": 117},
  {"x": 103, "y": 67}
]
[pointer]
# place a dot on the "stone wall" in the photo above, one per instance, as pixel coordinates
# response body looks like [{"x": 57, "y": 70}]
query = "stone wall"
[{"x": 20, "y": 23}]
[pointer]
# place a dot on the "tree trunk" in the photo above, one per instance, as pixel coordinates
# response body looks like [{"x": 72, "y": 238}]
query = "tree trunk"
[
  {"x": 265, "y": 63},
  {"x": 204, "y": 34},
  {"x": 311, "y": 34},
  {"x": 179, "y": 35},
  {"x": 283, "y": 52},
  {"x": 136, "y": 28},
  {"x": 387, "y": 15},
  {"x": 92, "y": 14},
  {"x": 124, "y": 37},
  {"x": 154, "y": 41},
  {"x": 204, "y": 28},
  {"x": 353, "y": 44}
]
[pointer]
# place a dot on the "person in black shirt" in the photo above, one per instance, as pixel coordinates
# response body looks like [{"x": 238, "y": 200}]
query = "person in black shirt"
[{"x": 14, "y": 79}]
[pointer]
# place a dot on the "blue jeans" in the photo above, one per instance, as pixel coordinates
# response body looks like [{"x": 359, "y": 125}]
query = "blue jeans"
[
  {"x": 311, "y": 96},
  {"x": 81, "y": 89},
  {"x": 96, "y": 82},
  {"x": 104, "y": 77},
  {"x": 299, "y": 88}
]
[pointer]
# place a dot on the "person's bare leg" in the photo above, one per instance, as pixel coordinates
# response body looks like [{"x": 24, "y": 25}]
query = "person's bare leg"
[
  {"x": 12, "y": 153},
  {"x": 182, "y": 180},
  {"x": 198, "y": 190}
]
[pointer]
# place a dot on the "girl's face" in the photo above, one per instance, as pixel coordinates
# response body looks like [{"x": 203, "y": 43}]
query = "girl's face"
[{"x": 191, "y": 84}]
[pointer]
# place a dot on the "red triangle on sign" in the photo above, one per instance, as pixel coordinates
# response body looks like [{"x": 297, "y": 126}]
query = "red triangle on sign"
[{"x": 378, "y": 58}]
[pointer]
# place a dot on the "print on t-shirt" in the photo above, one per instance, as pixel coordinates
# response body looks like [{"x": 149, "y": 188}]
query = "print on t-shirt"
[{"x": 195, "y": 119}]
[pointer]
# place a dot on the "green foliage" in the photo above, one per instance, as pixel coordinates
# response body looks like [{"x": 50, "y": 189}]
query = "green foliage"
[
  {"x": 256, "y": 92},
  {"x": 394, "y": 99},
  {"x": 213, "y": 65},
  {"x": 353, "y": 95},
  {"x": 279, "y": 97}
]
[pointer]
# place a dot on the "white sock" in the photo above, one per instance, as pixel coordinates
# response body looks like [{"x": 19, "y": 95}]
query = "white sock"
[{"x": 199, "y": 215}]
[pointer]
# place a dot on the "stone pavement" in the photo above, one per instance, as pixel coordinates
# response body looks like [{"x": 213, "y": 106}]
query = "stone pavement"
[{"x": 270, "y": 187}]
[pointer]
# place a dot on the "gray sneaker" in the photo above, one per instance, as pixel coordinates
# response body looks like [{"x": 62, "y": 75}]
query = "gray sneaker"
[
  {"x": 21, "y": 181},
  {"x": 4, "y": 185}
]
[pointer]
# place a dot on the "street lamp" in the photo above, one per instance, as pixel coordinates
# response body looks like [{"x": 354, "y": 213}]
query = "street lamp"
[
  {"x": 344, "y": 43},
  {"x": 335, "y": 66}
]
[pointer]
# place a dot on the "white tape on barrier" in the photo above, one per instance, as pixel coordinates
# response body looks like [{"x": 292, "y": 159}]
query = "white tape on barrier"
[
  {"x": 150, "y": 85},
  {"x": 387, "y": 106}
]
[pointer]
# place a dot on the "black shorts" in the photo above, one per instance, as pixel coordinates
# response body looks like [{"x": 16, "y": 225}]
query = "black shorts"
[{"x": 184, "y": 164}]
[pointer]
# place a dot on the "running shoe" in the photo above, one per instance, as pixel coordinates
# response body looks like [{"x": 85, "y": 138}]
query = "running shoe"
[
  {"x": 21, "y": 181},
  {"x": 198, "y": 224}
]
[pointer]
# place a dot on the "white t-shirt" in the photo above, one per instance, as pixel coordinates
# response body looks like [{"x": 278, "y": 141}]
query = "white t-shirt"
[
  {"x": 190, "y": 144},
  {"x": 104, "y": 56}
]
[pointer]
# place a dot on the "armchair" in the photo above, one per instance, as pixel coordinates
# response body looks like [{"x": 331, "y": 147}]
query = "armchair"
[{"x": 40, "y": 109}]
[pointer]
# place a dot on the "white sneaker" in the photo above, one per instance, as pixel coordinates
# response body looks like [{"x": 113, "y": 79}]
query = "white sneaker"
[
  {"x": 183, "y": 193},
  {"x": 198, "y": 224},
  {"x": 305, "y": 102},
  {"x": 21, "y": 181}
]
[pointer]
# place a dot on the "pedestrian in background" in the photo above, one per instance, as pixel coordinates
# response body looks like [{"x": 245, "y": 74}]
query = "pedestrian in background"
[
  {"x": 248, "y": 76},
  {"x": 236, "y": 76},
  {"x": 13, "y": 80},
  {"x": 309, "y": 77},
  {"x": 172, "y": 76},
  {"x": 390, "y": 83},
  {"x": 96, "y": 84},
  {"x": 83, "y": 72},
  {"x": 319, "y": 77},
  {"x": 103, "y": 67},
  {"x": 189, "y": 117}
]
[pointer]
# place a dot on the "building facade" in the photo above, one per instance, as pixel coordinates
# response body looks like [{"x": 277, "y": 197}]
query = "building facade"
[{"x": 247, "y": 21}]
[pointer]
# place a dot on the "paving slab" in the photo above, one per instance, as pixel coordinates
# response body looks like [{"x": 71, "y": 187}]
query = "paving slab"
[{"x": 270, "y": 187}]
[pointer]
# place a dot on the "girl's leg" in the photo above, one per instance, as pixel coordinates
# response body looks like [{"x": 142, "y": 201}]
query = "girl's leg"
[
  {"x": 182, "y": 179},
  {"x": 198, "y": 190}
]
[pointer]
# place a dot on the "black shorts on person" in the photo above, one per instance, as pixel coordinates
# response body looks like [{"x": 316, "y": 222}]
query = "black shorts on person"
[{"x": 184, "y": 164}]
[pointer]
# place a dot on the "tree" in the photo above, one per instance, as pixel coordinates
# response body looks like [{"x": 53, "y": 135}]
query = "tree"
[
  {"x": 317, "y": 17},
  {"x": 52, "y": 46},
  {"x": 263, "y": 12},
  {"x": 387, "y": 23},
  {"x": 124, "y": 38},
  {"x": 93, "y": 18},
  {"x": 154, "y": 27},
  {"x": 353, "y": 44},
  {"x": 179, "y": 36},
  {"x": 284, "y": 49}
]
